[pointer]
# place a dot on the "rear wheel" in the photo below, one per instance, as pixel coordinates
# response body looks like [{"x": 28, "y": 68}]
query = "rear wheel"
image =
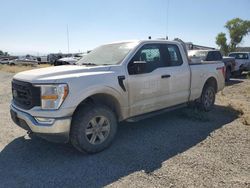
[
  {"x": 93, "y": 128},
  {"x": 207, "y": 99}
]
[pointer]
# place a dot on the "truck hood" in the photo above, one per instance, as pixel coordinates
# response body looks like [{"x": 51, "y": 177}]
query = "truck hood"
[{"x": 58, "y": 73}]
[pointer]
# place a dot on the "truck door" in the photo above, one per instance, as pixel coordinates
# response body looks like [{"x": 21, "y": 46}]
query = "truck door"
[{"x": 157, "y": 78}]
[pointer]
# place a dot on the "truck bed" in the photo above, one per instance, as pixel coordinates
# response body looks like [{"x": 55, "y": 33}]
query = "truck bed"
[{"x": 199, "y": 75}]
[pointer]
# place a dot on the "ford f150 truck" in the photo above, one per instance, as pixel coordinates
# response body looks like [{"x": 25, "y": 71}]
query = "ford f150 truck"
[{"x": 129, "y": 81}]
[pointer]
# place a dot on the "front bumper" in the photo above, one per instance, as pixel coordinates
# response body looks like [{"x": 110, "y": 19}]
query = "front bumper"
[{"x": 58, "y": 131}]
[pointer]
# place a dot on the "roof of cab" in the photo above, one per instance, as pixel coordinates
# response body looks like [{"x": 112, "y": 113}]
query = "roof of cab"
[{"x": 145, "y": 41}]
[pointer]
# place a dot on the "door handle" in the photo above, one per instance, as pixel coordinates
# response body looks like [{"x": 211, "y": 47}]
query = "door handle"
[{"x": 166, "y": 76}]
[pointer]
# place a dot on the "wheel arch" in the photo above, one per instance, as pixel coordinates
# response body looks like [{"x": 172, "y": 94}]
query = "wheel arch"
[
  {"x": 106, "y": 99},
  {"x": 211, "y": 81}
]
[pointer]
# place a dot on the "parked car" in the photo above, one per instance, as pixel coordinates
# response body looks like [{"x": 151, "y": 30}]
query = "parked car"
[
  {"x": 23, "y": 62},
  {"x": 197, "y": 56},
  {"x": 5, "y": 61},
  {"x": 121, "y": 81},
  {"x": 242, "y": 61}
]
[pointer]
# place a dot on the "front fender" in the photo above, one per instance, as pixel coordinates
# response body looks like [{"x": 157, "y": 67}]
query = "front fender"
[
  {"x": 73, "y": 101},
  {"x": 82, "y": 95}
]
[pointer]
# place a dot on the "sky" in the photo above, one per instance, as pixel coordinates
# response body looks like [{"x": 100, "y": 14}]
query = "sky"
[{"x": 40, "y": 27}]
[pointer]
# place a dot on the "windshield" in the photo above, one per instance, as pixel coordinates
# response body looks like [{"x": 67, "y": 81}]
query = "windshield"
[
  {"x": 239, "y": 55},
  {"x": 110, "y": 54}
]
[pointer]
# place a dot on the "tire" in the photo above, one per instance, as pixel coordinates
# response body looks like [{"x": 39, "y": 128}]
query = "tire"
[
  {"x": 93, "y": 128},
  {"x": 207, "y": 98},
  {"x": 228, "y": 74}
]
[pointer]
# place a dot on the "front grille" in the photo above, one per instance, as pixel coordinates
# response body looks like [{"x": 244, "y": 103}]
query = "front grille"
[{"x": 25, "y": 95}]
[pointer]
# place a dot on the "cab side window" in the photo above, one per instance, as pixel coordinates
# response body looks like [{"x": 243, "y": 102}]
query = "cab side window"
[
  {"x": 150, "y": 55},
  {"x": 149, "y": 58},
  {"x": 154, "y": 56},
  {"x": 173, "y": 56}
]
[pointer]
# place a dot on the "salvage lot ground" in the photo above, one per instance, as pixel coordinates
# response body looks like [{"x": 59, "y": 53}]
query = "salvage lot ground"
[{"x": 176, "y": 149}]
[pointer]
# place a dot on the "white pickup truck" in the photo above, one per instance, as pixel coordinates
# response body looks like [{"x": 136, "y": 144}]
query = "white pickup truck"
[
  {"x": 242, "y": 61},
  {"x": 129, "y": 81}
]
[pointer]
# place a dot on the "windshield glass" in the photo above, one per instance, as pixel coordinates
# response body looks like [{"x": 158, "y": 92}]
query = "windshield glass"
[
  {"x": 239, "y": 55},
  {"x": 110, "y": 54}
]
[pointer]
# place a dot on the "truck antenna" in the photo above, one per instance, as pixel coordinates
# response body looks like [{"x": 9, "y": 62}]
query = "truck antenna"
[
  {"x": 68, "y": 37},
  {"x": 167, "y": 19}
]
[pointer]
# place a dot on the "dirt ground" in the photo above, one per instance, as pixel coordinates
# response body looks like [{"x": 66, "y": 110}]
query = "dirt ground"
[
  {"x": 20, "y": 68},
  {"x": 184, "y": 148}
]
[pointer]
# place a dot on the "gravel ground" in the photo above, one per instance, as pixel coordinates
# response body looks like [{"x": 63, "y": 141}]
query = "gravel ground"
[{"x": 184, "y": 148}]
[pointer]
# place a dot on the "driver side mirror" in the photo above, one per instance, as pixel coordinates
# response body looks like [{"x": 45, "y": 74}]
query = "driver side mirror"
[{"x": 139, "y": 67}]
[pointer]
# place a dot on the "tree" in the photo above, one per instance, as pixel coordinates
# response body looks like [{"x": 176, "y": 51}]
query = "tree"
[
  {"x": 3, "y": 53},
  {"x": 221, "y": 41},
  {"x": 237, "y": 29}
]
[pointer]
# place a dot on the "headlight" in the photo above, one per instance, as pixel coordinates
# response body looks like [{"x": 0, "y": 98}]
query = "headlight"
[{"x": 52, "y": 96}]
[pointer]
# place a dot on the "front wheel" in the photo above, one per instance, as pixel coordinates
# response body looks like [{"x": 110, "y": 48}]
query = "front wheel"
[
  {"x": 207, "y": 98},
  {"x": 93, "y": 128}
]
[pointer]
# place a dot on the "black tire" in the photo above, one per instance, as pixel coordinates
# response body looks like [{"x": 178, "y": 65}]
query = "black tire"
[
  {"x": 228, "y": 74},
  {"x": 82, "y": 121},
  {"x": 207, "y": 98}
]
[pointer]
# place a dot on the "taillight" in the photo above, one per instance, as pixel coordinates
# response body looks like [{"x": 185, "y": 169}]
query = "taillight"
[{"x": 223, "y": 70}]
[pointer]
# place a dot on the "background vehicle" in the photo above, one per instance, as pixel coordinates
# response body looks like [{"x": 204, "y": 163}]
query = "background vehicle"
[
  {"x": 66, "y": 61},
  {"x": 5, "y": 61},
  {"x": 197, "y": 56},
  {"x": 42, "y": 60},
  {"x": 23, "y": 62},
  {"x": 230, "y": 66},
  {"x": 242, "y": 61},
  {"x": 115, "y": 82},
  {"x": 69, "y": 60}
]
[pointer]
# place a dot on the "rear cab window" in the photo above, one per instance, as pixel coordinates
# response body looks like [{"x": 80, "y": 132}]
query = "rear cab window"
[{"x": 214, "y": 56}]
